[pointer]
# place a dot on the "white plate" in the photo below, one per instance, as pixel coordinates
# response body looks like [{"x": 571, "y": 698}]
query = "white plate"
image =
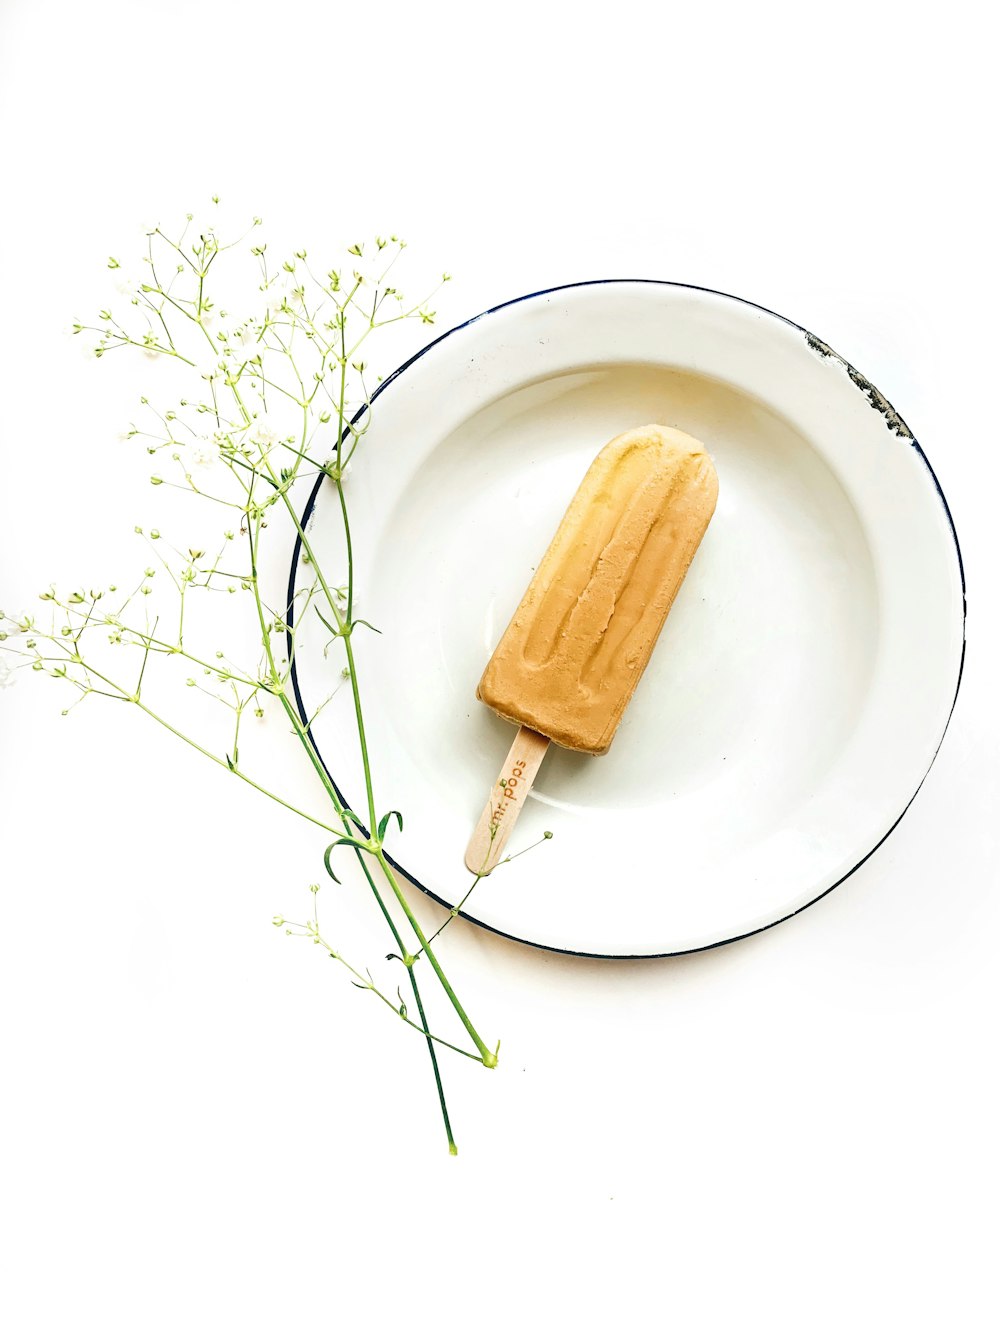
[{"x": 803, "y": 682}]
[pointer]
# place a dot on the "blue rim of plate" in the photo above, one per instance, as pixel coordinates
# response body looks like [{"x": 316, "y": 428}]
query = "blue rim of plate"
[{"x": 878, "y": 401}]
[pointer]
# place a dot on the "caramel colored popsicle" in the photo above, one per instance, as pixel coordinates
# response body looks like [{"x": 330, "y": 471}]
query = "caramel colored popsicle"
[{"x": 572, "y": 655}]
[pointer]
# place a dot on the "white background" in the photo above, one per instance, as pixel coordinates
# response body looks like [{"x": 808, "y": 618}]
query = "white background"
[{"x": 203, "y": 1126}]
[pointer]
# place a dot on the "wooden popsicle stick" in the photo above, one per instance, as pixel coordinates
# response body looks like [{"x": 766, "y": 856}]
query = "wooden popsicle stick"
[{"x": 506, "y": 800}]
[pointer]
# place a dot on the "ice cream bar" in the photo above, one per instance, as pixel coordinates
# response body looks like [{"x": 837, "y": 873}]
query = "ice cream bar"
[{"x": 572, "y": 655}]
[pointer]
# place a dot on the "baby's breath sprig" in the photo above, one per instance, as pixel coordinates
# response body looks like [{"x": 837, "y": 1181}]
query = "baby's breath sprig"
[{"x": 278, "y": 396}]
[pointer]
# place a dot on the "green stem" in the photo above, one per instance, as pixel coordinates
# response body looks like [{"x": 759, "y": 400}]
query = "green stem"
[
  {"x": 343, "y": 625},
  {"x": 125, "y": 697},
  {"x": 297, "y": 724},
  {"x": 420, "y": 1006},
  {"x": 489, "y": 1059},
  {"x": 188, "y": 740},
  {"x": 350, "y": 550},
  {"x": 452, "y": 1146},
  {"x": 452, "y": 914},
  {"x": 362, "y": 740}
]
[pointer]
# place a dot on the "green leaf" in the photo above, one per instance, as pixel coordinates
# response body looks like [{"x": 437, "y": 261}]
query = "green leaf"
[
  {"x": 383, "y": 823},
  {"x": 341, "y": 842},
  {"x": 334, "y": 632},
  {"x": 326, "y": 862},
  {"x": 366, "y": 623}
]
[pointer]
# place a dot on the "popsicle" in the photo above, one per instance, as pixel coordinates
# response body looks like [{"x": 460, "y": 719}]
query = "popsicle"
[{"x": 571, "y": 657}]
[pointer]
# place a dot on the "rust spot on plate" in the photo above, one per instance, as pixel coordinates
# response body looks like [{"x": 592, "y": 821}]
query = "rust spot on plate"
[{"x": 878, "y": 400}]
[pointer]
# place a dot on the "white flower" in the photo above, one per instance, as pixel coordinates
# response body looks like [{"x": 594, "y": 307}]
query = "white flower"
[
  {"x": 204, "y": 457},
  {"x": 275, "y": 296},
  {"x": 209, "y": 366},
  {"x": 264, "y": 433},
  {"x": 7, "y": 677},
  {"x": 282, "y": 289},
  {"x": 245, "y": 344}
]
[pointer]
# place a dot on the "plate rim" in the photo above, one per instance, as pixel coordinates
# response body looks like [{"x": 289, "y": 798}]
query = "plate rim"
[{"x": 878, "y": 402}]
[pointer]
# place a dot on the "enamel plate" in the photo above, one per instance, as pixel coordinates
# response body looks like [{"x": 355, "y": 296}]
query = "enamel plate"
[{"x": 803, "y": 681}]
